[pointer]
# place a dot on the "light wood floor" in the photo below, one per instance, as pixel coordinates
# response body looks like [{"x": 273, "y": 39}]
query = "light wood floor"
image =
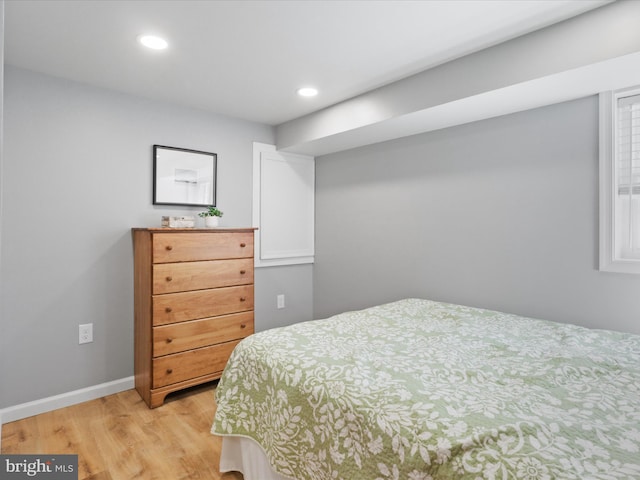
[{"x": 119, "y": 438}]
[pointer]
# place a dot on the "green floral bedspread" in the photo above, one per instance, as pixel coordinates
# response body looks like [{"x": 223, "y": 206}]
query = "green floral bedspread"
[{"x": 421, "y": 390}]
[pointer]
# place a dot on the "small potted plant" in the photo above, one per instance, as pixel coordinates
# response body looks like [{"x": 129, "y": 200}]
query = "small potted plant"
[{"x": 211, "y": 216}]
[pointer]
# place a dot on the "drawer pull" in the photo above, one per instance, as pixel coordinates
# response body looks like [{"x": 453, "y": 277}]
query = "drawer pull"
[
  {"x": 169, "y": 279},
  {"x": 169, "y": 247},
  {"x": 169, "y": 371},
  {"x": 242, "y": 245},
  {"x": 169, "y": 340},
  {"x": 242, "y": 272},
  {"x": 168, "y": 309},
  {"x": 243, "y": 325},
  {"x": 243, "y": 299}
]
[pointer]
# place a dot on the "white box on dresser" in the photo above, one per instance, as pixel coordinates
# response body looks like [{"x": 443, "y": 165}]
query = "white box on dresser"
[{"x": 193, "y": 303}]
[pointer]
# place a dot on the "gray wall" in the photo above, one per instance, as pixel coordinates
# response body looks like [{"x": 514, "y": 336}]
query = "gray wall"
[
  {"x": 77, "y": 176},
  {"x": 295, "y": 282},
  {"x": 500, "y": 214}
]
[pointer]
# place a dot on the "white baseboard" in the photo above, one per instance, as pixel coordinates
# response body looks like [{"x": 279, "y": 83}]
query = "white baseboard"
[{"x": 24, "y": 410}]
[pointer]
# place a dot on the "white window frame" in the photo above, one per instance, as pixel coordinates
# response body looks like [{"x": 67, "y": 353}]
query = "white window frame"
[
  {"x": 609, "y": 260},
  {"x": 284, "y": 236}
]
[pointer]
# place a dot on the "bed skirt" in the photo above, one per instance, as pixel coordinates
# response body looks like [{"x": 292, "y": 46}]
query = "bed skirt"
[{"x": 242, "y": 454}]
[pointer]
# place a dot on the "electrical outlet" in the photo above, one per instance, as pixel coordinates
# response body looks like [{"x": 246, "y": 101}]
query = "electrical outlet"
[
  {"x": 85, "y": 333},
  {"x": 280, "y": 300}
]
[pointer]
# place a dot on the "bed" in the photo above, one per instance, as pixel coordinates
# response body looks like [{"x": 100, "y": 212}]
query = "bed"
[{"x": 417, "y": 390}]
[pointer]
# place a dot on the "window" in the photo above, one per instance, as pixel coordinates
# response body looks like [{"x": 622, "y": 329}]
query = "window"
[{"x": 620, "y": 181}]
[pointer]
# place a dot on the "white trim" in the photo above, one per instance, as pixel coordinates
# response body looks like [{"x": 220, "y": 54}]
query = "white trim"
[
  {"x": 605, "y": 179},
  {"x": 29, "y": 409},
  {"x": 274, "y": 258},
  {"x": 607, "y": 121},
  {"x": 258, "y": 149},
  {"x": 277, "y": 262},
  {"x": 286, "y": 254}
]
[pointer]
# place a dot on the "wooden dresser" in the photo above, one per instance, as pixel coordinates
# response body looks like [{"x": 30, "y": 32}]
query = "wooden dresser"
[{"x": 193, "y": 304}]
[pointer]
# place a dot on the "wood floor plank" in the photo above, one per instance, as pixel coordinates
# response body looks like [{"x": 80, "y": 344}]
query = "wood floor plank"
[{"x": 119, "y": 438}]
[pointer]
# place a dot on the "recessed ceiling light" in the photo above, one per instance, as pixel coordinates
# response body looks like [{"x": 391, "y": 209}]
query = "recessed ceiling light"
[
  {"x": 307, "y": 92},
  {"x": 152, "y": 41}
]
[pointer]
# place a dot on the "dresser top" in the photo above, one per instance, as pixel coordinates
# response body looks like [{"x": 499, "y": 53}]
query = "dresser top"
[{"x": 200, "y": 230}]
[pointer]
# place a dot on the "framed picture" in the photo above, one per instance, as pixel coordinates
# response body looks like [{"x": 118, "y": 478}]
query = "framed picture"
[{"x": 183, "y": 177}]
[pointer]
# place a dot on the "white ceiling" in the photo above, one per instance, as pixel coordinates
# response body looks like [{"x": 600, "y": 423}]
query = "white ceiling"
[{"x": 247, "y": 58}]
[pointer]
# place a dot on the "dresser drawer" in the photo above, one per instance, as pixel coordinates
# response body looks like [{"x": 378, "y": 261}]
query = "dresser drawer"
[
  {"x": 193, "y": 363},
  {"x": 188, "y": 247},
  {"x": 181, "y": 277},
  {"x": 177, "y": 337},
  {"x": 179, "y": 307}
]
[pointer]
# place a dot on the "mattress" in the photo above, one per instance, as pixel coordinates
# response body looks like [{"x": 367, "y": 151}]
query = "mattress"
[{"x": 418, "y": 390}]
